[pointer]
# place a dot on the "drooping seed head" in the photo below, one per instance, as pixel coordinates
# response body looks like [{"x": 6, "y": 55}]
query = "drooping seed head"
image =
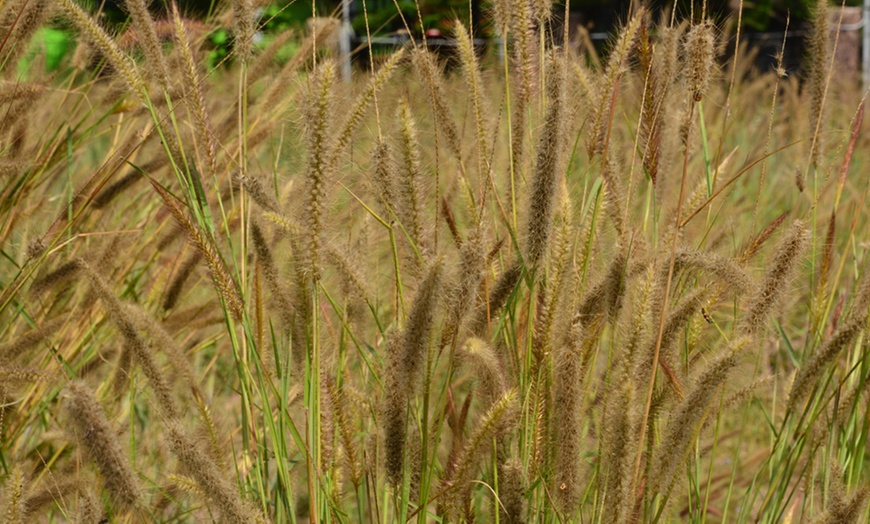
[
  {"x": 98, "y": 438},
  {"x": 782, "y": 266}
]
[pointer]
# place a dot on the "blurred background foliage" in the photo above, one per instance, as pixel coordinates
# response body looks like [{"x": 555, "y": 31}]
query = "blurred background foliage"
[{"x": 275, "y": 17}]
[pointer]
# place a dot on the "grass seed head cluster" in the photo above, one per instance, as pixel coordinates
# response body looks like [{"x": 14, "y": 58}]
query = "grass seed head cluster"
[{"x": 531, "y": 284}]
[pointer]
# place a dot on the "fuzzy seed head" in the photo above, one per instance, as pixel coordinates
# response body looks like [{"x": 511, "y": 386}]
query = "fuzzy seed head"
[
  {"x": 318, "y": 115},
  {"x": 221, "y": 492},
  {"x": 700, "y": 50},
  {"x": 98, "y": 438},
  {"x": 808, "y": 375},
  {"x": 504, "y": 287},
  {"x": 818, "y": 59},
  {"x": 569, "y": 378},
  {"x": 410, "y": 175},
  {"x": 425, "y": 65},
  {"x": 499, "y": 418},
  {"x": 501, "y": 12},
  {"x": 243, "y": 10},
  {"x": 547, "y": 162},
  {"x": 385, "y": 176},
  {"x": 511, "y": 490},
  {"x": 133, "y": 340},
  {"x": 393, "y": 413},
  {"x": 14, "y": 496},
  {"x": 417, "y": 331},
  {"x": 106, "y": 44},
  {"x": 773, "y": 286},
  {"x": 483, "y": 363},
  {"x": 687, "y": 416},
  {"x": 364, "y": 100},
  {"x": 145, "y": 29}
]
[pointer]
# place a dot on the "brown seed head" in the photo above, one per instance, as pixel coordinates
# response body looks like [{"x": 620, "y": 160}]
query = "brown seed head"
[
  {"x": 98, "y": 438},
  {"x": 700, "y": 50}
]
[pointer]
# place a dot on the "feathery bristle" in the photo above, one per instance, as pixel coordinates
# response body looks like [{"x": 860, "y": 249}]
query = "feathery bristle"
[
  {"x": 416, "y": 333},
  {"x": 501, "y": 11},
  {"x": 754, "y": 244},
  {"x": 362, "y": 102},
  {"x": 525, "y": 51},
  {"x": 543, "y": 10},
  {"x": 511, "y": 489},
  {"x": 552, "y": 311},
  {"x": 782, "y": 266},
  {"x": 465, "y": 285},
  {"x": 318, "y": 110},
  {"x": 11, "y": 350},
  {"x": 133, "y": 340},
  {"x": 195, "y": 96},
  {"x": 224, "y": 282},
  {"x": 700, "y": 50},
  {"x": 273, "y": 280},
  {"x": 620, "y": 436},
  {"x": 722, "y": 268},
  {"x": 352, "y": 278},
  {"x": 818, "y": 58},
  {"x": 614, "y": 193},
  {"x": 617, "y": 65},
  {"x": 569, "y": 376},
  {"x": 684, "y": 422},
  {"x": 410, "y": 180},
  {"x": 385, "y": 177},
  {"x": 547, "y": 163},
  {"x": 29, "y": 19},
  {"x": 222, "y": 493},
  {"x": 483, "y": 363},
  {"x": 14, "y": 496},
  {"x": 431, "y": 77},
  {"x": 605, "y": 297},
  {"x": 808, "y": 374},
  {"x": 842, "y": 508},
  {"x": 266, "y": 58},
  {"x": 243, "y": 11},
  {"x": 177, "y": 284},
  {"x": 278, "y": 90},
  {"x": 53, "y": 491},
  {"x": 504, "y": 288},
  {"x": 145, "y": 323},
  {"x": 147, "y": 34},
  {"x": 106, "y": 44},
  {"x": 474, "y": 82},
  {"x": 10, "y": 10},
  {"x": 406, "y": 353},
  {"x": 258, "y": 192},
  {"x": 498, "y": 418},
  {"x": 107, "y": 195},
  {"x": 393, "y": 418},
  {"x": 98, "y": 438},
  {"x": 340, "y": 408},
  {"x": 675, "y": 322},
  {"x": 12, "y": 168}
]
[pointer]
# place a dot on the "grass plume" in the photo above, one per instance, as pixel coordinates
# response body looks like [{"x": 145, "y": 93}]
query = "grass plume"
[
  {"x": 781, "y": 267},
  {"x": 97, "y": 436},
  {"x": 547, "y": 163}
]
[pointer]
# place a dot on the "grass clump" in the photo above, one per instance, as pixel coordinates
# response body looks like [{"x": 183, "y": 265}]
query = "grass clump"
[{"x": 411, "y": 297}]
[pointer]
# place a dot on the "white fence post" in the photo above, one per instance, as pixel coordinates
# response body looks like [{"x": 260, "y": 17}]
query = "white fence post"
[
  {"x": 345, "y": 34},
  {"x": 865, "y": 43}
]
